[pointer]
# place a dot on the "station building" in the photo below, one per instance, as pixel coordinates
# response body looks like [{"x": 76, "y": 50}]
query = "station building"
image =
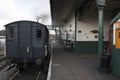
[{"x": 90, "y": 26}]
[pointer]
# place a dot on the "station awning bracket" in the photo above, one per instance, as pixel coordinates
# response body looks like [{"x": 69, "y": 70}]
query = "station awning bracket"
[{"x": 115, "y": 18}]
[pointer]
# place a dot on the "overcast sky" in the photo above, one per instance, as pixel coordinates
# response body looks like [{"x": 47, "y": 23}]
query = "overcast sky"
[{"x": 14, "y": 10}]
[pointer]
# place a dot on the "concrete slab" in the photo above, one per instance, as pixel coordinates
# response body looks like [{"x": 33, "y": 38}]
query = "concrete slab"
[{"x": 73, "y": 66}]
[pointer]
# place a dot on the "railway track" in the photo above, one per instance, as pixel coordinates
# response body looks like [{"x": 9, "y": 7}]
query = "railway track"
[
  {"x": 14, "y": 74},
  {"x": 9, "y": 72},
  {"x": 3, "y": 63},
  {"x": 37, "y": 78},
  {"x": 26, "y": 75},
  {"x": 2, "y": 58},
  {"x": 30, "y": 74}
]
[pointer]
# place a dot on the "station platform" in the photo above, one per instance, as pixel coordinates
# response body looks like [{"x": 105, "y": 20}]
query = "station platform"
[{"x": 67, "y": 65}]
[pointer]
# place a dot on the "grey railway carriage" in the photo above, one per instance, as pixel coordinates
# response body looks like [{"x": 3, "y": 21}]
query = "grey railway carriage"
[{"x": 27, "y": 42}]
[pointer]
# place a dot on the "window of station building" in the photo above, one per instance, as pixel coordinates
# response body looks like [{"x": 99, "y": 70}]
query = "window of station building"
[
  {"x": 39, "y": 32},
  {"x": 10, "y": 33}
]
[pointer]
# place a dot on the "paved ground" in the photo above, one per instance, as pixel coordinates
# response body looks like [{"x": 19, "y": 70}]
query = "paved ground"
[{"x": 71, "y": 66}]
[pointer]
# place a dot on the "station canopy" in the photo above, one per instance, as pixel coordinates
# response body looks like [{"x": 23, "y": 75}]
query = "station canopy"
[{"x": 62, "y": 9}]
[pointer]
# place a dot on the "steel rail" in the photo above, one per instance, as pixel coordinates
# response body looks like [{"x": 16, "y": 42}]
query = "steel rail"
[
  {"x": 37, "y": 78},
  {"x": 14, "y": 75}
]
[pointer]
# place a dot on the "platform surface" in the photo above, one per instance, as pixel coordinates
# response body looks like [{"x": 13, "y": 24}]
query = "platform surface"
[{"x": 67, "y": 65}]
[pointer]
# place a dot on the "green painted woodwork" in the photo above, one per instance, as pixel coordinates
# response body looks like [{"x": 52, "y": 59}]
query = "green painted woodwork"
[
  {"x": 101, "y": 32},
  {"x": 116, "y": 62},
  {"x": 115, "y": 18},
  {"x": 101, "y": 2},
  {"x": 87, "y": 47}
]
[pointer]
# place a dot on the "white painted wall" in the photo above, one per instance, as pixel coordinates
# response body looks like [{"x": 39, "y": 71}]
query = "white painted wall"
[
  {"x": 89, "y": 23},
  {"x": 86, "y": 25},
  {"x": 69, "y": 28}
]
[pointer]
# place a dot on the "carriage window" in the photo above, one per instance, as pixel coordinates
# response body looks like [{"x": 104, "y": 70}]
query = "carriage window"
[
  {"x": 39, "y": 33},
  {"x": 10, "y": 33}
]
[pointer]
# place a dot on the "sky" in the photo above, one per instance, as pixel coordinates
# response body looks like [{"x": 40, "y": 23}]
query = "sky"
[{"x": 15, "y": 10}]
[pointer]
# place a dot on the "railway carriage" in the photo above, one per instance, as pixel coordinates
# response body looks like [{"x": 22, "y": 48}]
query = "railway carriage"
[{"x": 27, "y": 42}]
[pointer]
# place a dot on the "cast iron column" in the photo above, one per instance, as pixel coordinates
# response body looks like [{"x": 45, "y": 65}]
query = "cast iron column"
[
  {"x": 101, "y": 33},
  {"x": 101, "y": 4}
]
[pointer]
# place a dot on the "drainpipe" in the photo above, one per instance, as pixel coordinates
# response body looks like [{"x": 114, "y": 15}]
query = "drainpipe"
[
  {"x": 101, "y": 5},
  {"x": 75, "y": 26}
]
